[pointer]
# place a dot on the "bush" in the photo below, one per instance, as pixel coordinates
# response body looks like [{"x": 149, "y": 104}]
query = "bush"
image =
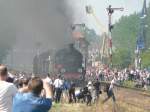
[{"x": 129, "y": 84}]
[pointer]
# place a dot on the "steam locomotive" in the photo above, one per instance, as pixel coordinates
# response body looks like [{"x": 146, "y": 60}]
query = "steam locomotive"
[{"x": 67, "y": 62}]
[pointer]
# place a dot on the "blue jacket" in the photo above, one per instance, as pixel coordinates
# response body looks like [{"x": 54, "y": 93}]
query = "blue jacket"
[{"x": 28, "y": 102}]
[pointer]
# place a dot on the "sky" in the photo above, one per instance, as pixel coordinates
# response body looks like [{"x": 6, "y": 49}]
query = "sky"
[{"x": 99, "y": 6}]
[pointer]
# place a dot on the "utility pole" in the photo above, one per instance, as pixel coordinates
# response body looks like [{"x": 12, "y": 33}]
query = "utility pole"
[{"x": 110, "y": 11}]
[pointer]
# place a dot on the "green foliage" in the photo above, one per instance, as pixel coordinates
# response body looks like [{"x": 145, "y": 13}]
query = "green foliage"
[
  {"x": 121, "y": 58},
  {"x": 125, "y": 31},
  {"x": 124, "y": 37},
  {"x": 148, "y": 28},
  {"x": 129, "y": 84},
  {"x": 145, "y": 59}
]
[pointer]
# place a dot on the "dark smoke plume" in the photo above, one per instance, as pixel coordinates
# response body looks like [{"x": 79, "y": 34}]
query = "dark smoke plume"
[
  {"x": 7, "y": 28},
  {"x": 38, "y": 25}
]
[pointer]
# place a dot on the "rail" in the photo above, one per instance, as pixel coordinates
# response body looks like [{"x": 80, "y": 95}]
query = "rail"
[{"x": 140, "y": 91}]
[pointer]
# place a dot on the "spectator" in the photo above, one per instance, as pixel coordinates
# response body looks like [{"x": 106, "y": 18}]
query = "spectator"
[
  {"x": 24, "y": 87},
  {"x": 7, "y": 91},
  {"x": 48, "y": 79},
  {"x": 72, "y": 93},
  {"x": 31, "y": 101},
  {"x": 97, "y": 87},
  {"x": 148, "y": 78},
  {"x": 58, "y": 83},
  {"x": 66, "y": 87},
  {"x": 109, "y": 89}
]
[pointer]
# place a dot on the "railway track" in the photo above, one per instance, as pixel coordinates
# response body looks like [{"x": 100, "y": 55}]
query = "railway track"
[{"x": 137, "y": 90}]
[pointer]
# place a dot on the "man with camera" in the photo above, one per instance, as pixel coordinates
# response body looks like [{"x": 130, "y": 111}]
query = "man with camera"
[{"x": 30, "y": 100}]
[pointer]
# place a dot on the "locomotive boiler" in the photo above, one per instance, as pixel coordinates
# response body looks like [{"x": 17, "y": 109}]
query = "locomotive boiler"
[{"x": 67, "y": 61}]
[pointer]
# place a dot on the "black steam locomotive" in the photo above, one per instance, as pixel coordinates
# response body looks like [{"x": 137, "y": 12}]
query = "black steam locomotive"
[{"x": 67, "y": 62}]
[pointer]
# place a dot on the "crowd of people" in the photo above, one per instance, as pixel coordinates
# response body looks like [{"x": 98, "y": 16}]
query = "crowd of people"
[
  {"x": 29, "y": 93},
  {"x": 141, "y": 78},
  {"x": 35, "y": 94}
]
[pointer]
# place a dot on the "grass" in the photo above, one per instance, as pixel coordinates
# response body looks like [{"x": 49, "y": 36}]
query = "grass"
[
  {"x": 127, "y": 101},
  {"x": 130, "y": 84}
]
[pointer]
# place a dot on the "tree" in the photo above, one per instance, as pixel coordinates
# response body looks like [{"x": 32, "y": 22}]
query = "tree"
[
  {"x": 124, "y": 37},
  {"x": 121, "y": 58},
  {"x": 145, "y": 57}
]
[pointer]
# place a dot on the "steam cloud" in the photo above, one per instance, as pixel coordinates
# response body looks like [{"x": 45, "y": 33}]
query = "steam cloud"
[{"x": 38, "y": 24}]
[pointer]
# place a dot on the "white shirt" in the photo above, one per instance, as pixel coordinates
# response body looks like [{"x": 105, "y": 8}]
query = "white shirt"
[
  {"x": 90, "y": 88},
  {"x": 77, "y": 92},
  {"x": 49, "y": 80},
  {"x": 131, "y": 72},
  {"x": 58, "y": 83},
  {"x": 7, "y": 91},
  {"x": 112, "y": 83}
]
